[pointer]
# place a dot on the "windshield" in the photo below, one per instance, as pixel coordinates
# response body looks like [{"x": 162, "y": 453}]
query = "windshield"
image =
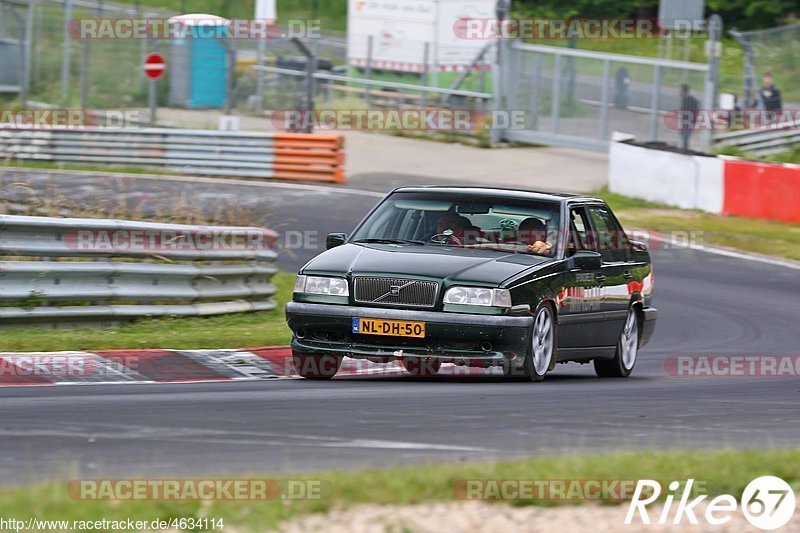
[{"x": 467, "y": 221}]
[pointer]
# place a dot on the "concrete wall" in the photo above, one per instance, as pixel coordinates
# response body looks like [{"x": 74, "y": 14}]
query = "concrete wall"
[
  {"x": 721, "y": 185},
  {"x": 686, "y": 181}
]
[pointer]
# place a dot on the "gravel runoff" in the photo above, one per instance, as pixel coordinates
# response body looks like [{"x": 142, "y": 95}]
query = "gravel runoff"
[{"x": 483, "y": 517}]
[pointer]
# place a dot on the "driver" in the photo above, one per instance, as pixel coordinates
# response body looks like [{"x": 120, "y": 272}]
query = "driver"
[
  {"x": 533, "y": 232},
  {"x": 454, "y": 222}
]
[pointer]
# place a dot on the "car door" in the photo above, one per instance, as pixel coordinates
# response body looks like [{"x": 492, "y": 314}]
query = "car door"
[
  {"x": 579, "y": 300},
  {"x": 612, "y": 243}
]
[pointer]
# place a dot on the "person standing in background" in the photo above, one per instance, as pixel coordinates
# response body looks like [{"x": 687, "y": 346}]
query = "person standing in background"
[
  {"x": 771, "y": 97},
  {"x": 689, "y": 107}
]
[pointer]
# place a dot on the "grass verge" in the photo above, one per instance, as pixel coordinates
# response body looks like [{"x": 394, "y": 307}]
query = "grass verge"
[
  {"x": 723, "y": 472},
  {"x": 122, "y": 169},
  {"x": 747, "y": 234},
  {"x": 265, "y": 328}
]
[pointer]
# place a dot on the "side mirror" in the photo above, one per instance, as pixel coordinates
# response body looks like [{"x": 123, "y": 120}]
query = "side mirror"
[
  {"x": 335, "y": 239},
  {"x": 587, "y": 260}
]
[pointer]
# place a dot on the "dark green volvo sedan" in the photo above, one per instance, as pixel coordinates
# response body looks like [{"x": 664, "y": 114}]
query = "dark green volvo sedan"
[{"x": 479, "y": 277}]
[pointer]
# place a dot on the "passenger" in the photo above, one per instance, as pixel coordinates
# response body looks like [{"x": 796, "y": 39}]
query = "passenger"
[{"x": 533, "y": 232}]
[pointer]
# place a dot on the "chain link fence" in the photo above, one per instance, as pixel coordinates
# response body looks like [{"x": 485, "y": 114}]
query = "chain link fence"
[
  {"x": 774, "y": 50},
  {"x": 107, "y": 73},
  {"x": 578, "y": 98},
  {"x": 568, "y": 96}
]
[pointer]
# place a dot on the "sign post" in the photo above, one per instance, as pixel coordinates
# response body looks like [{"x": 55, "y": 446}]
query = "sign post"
[{"x": 154, "y": 67}]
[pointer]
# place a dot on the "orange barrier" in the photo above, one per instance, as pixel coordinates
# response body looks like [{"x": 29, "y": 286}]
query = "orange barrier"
[
  {"x": 762, "y": 190},
  {"x": 309, "y": 156}
]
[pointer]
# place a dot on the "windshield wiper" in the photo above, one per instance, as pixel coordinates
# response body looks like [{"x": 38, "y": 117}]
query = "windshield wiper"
[{"x": 389, "y": 241}]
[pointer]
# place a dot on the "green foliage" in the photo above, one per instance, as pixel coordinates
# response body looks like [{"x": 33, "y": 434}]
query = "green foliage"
[
  {"x": 752, "y": 14},
  {"x": 742, "y": 14},
  {"x": 585, "y": 8}
]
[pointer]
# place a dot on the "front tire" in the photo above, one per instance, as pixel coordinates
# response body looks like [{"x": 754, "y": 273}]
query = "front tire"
[
  {"x": 316, "y": 366},
  {"x": 542, "y": 346},
  {"x": 627, "y": 351}
]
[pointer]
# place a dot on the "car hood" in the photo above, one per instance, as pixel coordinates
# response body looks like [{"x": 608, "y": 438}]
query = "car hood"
[{"x": 452, "y": 265}]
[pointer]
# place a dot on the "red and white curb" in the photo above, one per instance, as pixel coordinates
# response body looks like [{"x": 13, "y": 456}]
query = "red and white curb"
[
  {"x": 173, "y": 366},
  {"x": 143, "y": 366}
]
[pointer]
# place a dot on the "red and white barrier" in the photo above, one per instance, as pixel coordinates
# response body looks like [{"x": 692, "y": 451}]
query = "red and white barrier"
[
  {"x": 715, "y": 184},
  {"x": 762, "y": 190},
  {"x": 180, "y": 366}
]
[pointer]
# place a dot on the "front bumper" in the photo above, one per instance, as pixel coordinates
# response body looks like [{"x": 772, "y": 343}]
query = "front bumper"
[
  {"x": 649, "y": 325},
  {"x": 480, "y": 340}
]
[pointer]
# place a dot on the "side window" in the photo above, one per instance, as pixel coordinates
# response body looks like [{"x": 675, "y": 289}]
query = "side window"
[
  {"x": 579, "y": 234},
  {"x": 609, "y": 236}
]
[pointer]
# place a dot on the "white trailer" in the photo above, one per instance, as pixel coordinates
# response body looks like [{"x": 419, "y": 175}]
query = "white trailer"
[{"x": 401, "y": 30}]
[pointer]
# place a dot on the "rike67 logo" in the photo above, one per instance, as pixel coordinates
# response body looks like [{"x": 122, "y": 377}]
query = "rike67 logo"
[{"x": 768, "y": 503}]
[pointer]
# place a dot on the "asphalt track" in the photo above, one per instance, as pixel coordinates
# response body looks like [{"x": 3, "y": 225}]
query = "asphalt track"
[{"x": 708, "y": 305}]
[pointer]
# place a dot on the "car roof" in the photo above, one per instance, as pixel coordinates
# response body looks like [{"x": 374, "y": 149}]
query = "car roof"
[{"x": 500, "y": 192}]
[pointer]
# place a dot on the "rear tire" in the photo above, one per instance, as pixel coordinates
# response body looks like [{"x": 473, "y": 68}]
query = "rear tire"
[
  {"x": 627, "y": 351},
  {"x": 421, "y": 366},
  {"x": 316, "y": 366}
]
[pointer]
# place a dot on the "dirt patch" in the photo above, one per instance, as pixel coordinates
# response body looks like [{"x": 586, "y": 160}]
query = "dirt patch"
[{"x": 483, "y": 517}]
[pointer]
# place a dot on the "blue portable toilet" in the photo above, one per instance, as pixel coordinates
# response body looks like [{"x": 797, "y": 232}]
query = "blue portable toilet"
[{"x": 198, "y": 67}]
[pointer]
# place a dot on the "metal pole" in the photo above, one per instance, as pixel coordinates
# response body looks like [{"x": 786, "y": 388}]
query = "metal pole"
[
  {"x": 425, "y": 58},
  {"x": 603, "y": 133},
  {"x": 151, "y": 97},
  {"x": 368, "y": 69},
  {"x": 499, "y": 78},
  {"x": 749, "y": 81},
  {"x": 436, "y": 18},
  {"x": 311, "y": 69},
  {"x": 66, "y": 52},
  {"x": 37, "y": 37},
  {"x": 85, "y": 74},
  {"x": 555, "y": 105},
  {"x": 498, "y": 85},
  {"x": 535, "y": 90},
  {"x": 311, "y": 66},
  {"x": 28, "y": 43},
  {"x": 712, "y": 75},
  {"x": 231, "y": 75},
  {"x": 260, "y": 74},
  {"x": 654, "y": 99}
]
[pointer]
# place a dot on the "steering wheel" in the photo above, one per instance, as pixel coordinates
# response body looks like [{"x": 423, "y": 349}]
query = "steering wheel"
[{"x": 446, "y": 237}]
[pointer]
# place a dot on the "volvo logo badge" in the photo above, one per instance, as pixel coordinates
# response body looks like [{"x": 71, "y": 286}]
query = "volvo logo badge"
[{"x": 394, "y": 290}]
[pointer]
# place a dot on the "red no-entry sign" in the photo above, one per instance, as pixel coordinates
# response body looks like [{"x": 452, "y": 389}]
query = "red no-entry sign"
[{"x": 154, "y": 66}]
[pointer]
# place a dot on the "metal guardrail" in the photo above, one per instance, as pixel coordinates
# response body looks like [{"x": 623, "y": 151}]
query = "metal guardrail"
[
  {"x": 61, "y": 269},
  {"x": 377, "y": 83},
  {"x": 762, "y": 141},
  {"x": 298, "y": 156}
]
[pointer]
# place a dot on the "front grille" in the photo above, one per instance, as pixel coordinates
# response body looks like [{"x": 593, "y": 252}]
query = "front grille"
[{"x": 395, "y": 292}]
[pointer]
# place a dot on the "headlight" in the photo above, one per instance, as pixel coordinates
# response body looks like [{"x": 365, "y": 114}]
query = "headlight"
[
  {"x": 321, "y": 285},
  {"x": 478, "y": 296}
]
